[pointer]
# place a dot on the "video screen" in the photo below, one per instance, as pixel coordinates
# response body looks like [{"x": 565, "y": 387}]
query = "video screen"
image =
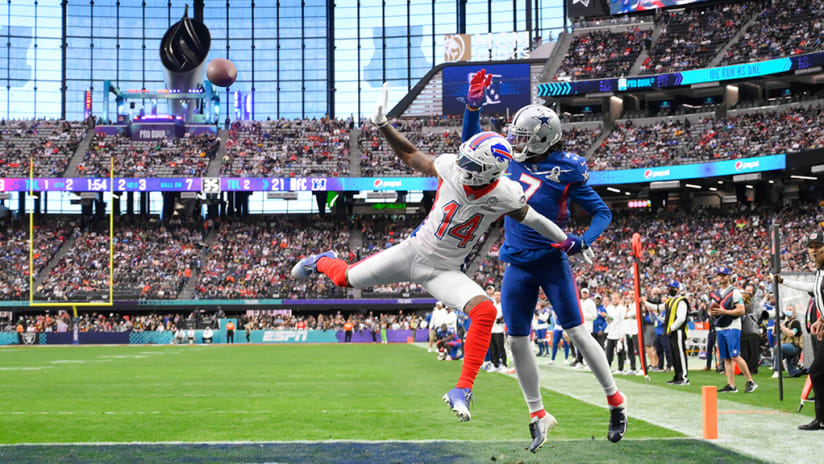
[{"x": 629, "y": 6}]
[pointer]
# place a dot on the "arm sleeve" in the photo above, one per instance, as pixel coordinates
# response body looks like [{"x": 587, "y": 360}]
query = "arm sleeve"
[
  {"x": 808, "y": 287},
  {"x": 543, "y": 226},
  {"x": 680, "y": 315},
  {"x": 471, "y": 124},
  {"x": 592, "y": 203}
]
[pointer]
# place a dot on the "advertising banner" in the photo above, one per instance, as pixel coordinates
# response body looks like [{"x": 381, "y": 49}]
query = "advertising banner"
[{"x": 689, "y": 171}]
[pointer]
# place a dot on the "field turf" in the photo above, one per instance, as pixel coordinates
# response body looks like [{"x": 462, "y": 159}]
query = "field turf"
[{"x": 328, "y": 403}]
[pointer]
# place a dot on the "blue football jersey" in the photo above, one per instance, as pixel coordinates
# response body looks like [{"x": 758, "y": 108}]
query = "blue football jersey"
[{"x": 549, "y": 187}]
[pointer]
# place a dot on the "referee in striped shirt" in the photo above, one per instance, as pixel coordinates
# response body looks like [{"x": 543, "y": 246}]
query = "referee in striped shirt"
[{"x": 815, "y": 248}]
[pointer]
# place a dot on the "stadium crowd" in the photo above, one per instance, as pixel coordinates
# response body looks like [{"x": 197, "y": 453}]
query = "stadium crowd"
[
  {"x": 253, "y": 259},
  {"x": 781, "y": 29},
  {"x": 14, "y": 252},
  {"x": 154, "y": 260},
  {"x": 185, "y": 156},
  {"x": 61, "y": 321},
  {"x": 50, "y": 144},
  {"x": 741, "y": 135},
  {"x": 598, "y": 54},
  {"x": 691, "y": 38},
  {"x": 288, "y": 148}
]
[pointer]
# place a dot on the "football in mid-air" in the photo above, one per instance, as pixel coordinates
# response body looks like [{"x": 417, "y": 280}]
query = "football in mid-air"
[{"x": 221, "y": 72}]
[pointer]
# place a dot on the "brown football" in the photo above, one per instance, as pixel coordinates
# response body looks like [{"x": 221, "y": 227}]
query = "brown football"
[{"x": 221, "y": 72}]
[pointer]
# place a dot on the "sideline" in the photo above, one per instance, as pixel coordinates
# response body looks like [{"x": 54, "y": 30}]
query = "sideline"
[{"x": 752, "y": 431}]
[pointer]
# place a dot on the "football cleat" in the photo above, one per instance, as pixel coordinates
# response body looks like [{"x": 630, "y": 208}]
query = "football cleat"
[
  {"x": 308, "y": 265},
  {"x": 617, "y": 424},
  {"x": 539, "y": 429},
  {"x": 458, "y": 399}
]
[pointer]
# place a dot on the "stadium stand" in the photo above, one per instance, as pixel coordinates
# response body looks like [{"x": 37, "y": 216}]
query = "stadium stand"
[
  {"x": 745, "y": 133},
  {"x": 14, "y": 253},
  {"x": 51, "y": 144},
  {"x": 288, "y": 148},
  {"x": 185, "y": 156},
  {"x": 253, "y": 258},
  {"x": 598, "y": 54},
  {"x": 691, "y": 38},
  {"x": 781, "y": 29}
]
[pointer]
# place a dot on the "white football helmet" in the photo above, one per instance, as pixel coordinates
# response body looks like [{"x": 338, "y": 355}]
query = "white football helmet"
[
  {"x": 533, "y": 130},
  {"x": 483, "y": 158}
]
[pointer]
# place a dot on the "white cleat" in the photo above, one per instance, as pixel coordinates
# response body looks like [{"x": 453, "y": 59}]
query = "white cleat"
[{"x": 539, "y": 429}]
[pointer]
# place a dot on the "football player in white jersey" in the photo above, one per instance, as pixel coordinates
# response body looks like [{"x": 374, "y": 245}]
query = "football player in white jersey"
[{"x": 472, "y": 194}]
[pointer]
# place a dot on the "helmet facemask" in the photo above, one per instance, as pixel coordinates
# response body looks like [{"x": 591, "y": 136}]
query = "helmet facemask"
[
  {"x": 484, "y": 164},
  {"x": 534, "y": 131}
]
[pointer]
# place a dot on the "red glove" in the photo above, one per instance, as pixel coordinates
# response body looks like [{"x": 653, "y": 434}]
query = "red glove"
[{"x": 477, "y": 86}]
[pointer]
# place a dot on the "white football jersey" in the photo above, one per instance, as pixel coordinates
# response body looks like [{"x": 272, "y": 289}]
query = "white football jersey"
[{"x": 460, "y": 214}]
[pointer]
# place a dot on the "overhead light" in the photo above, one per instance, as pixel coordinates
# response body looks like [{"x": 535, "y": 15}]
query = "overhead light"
[
  {"x": 713, "y": 189},
  {"x": 693, "y": 186},
  {"x": 613, "y": 190},
  {"x": 772, "y": 181},
  {"x": 746, "y": 177},
  {"x": 817, "y": 168},
  {"x": 803, "y": 177},
  {"x": 721, "y": 182},
  {"x": 749, "y": 186},
  {"x": 665, "y": 185},
  {"x": 627, "y": 193}
]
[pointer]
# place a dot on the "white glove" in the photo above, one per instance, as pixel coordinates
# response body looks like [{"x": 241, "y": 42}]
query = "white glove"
[
  {"x": 379, "y": 118},
  {"x": 587, "y": 254}
]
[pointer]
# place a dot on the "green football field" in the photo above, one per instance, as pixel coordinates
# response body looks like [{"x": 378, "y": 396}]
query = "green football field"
[{"x": 290, "y": 403}]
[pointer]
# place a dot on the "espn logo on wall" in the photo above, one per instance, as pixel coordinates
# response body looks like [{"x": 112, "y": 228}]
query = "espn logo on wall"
[{"x": 285, "y": 336}]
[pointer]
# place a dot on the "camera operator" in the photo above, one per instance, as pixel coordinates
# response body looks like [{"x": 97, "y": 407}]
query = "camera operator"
[
  {"x": 448, "y": 344},
  {"x": 815, "y": 249}
]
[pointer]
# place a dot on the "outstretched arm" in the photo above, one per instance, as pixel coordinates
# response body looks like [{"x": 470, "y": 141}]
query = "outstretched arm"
[
  {"x": 538, "y": 222},
  {"x": 402, "y": 147},
  {"x": 407, "y": 152},
  {"x": 474, "y": 99}
]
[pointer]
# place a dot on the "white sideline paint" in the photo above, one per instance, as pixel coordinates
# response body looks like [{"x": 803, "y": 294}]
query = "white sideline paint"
[{"x": 752, "y": 434}]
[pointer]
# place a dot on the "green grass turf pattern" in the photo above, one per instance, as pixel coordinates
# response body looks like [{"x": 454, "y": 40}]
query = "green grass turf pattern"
[{"x": 265, "y": 393}]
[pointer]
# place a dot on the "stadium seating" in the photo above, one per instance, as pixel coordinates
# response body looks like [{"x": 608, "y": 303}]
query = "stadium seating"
[
  {"x": 742, "y": 134},
  {"x": 288, "y": 148},
  {"x": 50, "y": 144},
  {"x": 185, "y": 156},
  {"x": 600, "y": 54},
  {"x": 692, "y": 38},
  {"x": 781, "y": 29},
  {"x": 14, "y": 253}
]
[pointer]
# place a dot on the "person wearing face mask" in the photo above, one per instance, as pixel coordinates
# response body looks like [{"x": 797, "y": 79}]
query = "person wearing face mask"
[
  {"x": 815, "y": 249},
  {"x": 675, "y": 310},
  {"x": 790, "y": 342}
]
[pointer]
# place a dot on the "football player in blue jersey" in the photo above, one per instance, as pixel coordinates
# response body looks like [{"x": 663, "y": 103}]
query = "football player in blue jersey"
[{"x": 551, "y": 178}]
